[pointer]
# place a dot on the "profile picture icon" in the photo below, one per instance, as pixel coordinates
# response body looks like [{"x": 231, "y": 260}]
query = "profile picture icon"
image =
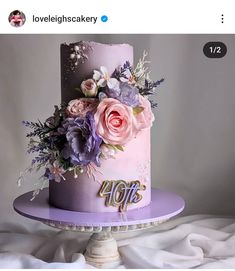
[{"x": 16, "y": 18}]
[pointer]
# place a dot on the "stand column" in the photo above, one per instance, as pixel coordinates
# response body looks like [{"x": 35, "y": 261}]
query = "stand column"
[{"x": 102, "y": 250}]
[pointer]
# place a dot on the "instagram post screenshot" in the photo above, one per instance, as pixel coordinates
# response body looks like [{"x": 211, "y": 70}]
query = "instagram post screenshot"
[{"x": 117, "y": 128}]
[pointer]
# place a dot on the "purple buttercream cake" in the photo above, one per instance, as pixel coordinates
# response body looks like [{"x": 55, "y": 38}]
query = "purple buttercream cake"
[
  {"x": 96, "y": 146},
  {"x": 81, "y": 193}
]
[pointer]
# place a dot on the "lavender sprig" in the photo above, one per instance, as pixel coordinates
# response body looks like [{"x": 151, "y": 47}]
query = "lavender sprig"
[
  {"x": 49, "y": 143},
  {"x": 149, "y": 87},
  {"x": 121, "y": 72},
  {"x": 51, "y": 124},
  {"x": 39, "y": 128},
  {"x": 41, "y": 159},
  {"x": 153, "y": 104},
  {"x": 36, "y": 148}
]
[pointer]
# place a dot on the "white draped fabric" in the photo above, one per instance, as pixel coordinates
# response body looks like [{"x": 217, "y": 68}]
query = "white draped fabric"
[{"x": 198, "y": 241}]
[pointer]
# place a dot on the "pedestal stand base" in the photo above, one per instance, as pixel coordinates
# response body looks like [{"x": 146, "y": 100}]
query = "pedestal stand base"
[{"x": 102, "y": 251}]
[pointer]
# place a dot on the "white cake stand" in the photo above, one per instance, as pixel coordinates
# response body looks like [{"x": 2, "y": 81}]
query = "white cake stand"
[{"x": 101, "y": 250}]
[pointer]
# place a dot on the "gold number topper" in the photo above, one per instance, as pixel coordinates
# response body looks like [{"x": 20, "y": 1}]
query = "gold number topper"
[{"x": 121, "y": 193}]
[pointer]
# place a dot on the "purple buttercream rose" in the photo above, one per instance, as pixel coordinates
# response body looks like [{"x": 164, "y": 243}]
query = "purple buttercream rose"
[
  {"x": 125, "y": 93},
  {"x": 83, "y": 144}
]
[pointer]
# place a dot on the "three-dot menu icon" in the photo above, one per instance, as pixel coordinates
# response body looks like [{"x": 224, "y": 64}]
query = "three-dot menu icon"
[{"x": 222, "y": 18}]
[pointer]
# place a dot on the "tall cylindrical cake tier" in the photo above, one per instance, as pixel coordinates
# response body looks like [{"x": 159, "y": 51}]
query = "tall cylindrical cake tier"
[{"x": 81, "y": 194}]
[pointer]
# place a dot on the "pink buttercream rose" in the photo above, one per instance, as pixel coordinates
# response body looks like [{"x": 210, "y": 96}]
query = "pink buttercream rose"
[
  {"x": 114, "y": 122},
  {"x": 79, "y": 107},
  {"x": 144, "y": 119},
  {"x": 89, "y": 88}
]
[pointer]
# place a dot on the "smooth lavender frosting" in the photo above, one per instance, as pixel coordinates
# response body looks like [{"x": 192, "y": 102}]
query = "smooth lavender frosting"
[
  {"x": 110, "y": 56},
  {"x": 81, "y": 194}
]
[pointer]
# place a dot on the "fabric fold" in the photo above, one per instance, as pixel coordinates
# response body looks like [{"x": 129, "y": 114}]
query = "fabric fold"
[{"x": 198, "y": 241}]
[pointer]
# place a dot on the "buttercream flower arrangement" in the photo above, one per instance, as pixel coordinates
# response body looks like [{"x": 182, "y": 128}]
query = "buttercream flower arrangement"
[{"x": 110, "y": 111}]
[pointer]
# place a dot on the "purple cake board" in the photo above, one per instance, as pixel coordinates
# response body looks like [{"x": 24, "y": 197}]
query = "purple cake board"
[{"x": 163, "y": 206}]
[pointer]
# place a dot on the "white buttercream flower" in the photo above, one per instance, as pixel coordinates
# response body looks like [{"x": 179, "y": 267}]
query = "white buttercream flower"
[
  {"x": 128, "y": 77},
  {"x": 57, "y": 171},
  {"x": 102, "y": 77},
  {"x": 108, "y": 151}
]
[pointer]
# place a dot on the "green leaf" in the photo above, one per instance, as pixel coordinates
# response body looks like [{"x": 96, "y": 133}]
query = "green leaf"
[
  {"x": 115, "y": 147},
  {"x": 119, "y": 147},
  {"x": 110, "y": 146},
  {"x": 102, "y": 156},
  {"x": 137, "y": 110}
]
